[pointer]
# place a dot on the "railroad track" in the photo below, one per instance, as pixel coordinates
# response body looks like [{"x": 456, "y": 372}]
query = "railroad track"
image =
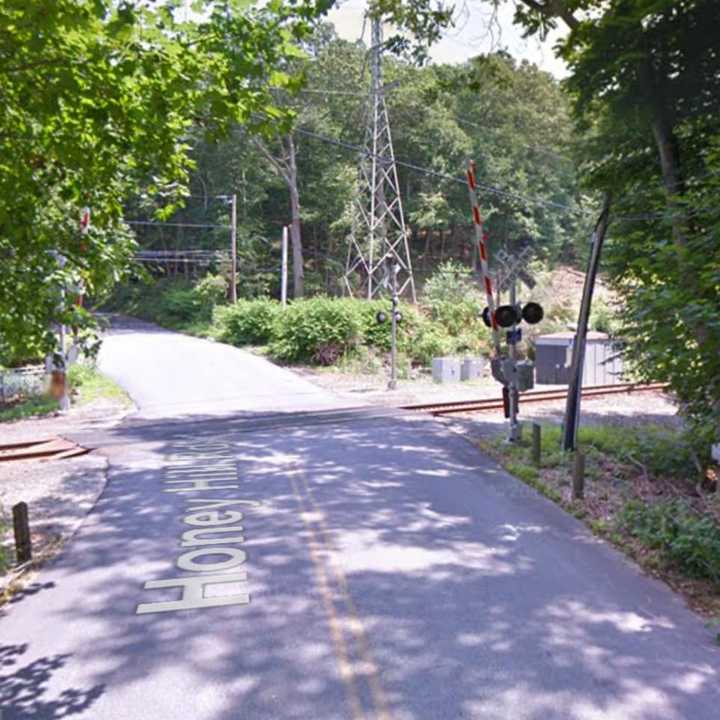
[{"x": 537, "y": 396}]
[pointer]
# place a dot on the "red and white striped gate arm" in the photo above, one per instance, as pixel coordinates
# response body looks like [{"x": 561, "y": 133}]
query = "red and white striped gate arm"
[
  {"x": 85, "y": 221},
  {"x": 481, "y": 238}
]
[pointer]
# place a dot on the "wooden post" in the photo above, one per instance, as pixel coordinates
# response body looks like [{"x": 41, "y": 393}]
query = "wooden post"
[
  {"x": 578, "y": 480},
  {"x": 284, "y": 267},
  {"x": 233, "y": 248},
  {"x": 23, "y": 547},
  {"x": 536, "y": 444}
]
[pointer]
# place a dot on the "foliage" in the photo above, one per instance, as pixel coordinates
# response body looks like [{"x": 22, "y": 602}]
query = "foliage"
[
  {"x": 32, "y": 407},
  {"x": 671, "y": 320},
  {"x": 456, "y": 303},
  {"x": 522, "y": 145},
  {"x": 88, "y": 384},
  {"x": 308, "y": 327},
  {"x": 98, "y": 99},
  {"x": 211, "y": 290},
  {"x": 646, "y": 90},
  {"x": 430, "y": 341},
  {"x": 180, "y": 305},
  {"x": 604, "y": 317},
  {"x": 249, "y": 322},
  {"x": 685, "y": 539}
]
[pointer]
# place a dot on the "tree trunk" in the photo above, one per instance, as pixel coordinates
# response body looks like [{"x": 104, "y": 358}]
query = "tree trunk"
[
  {"x": 428, "y": 236},
  {"x": 295, "y": 236},
  {"x": 667, "y": 147}
]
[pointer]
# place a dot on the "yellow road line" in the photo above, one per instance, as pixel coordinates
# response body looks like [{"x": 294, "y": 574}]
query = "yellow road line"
[
  {"x": 358, "y": 629},
  {"x": 341, "y": 651}
]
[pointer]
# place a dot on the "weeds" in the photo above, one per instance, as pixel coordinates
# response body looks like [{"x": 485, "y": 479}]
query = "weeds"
[{"x": 684, "y": 539}]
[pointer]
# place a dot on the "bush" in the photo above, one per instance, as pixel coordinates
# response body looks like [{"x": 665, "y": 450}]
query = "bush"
[
  {"x": 451, "y": 283},
  {"x": 690, "y": 542},
  {"x": 211, "y": 290},
  {"x": 179, "y": 305},
  {"x": 428, "y": 342},
  {"x": 313, "y": 329},
  {"x": 248, "y": 322},
  {"x": 455, "y": 301}
]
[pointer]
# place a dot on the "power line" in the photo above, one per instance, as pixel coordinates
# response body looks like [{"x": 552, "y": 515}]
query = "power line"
[
  {"x": 434, "y": 173},
  {"x": 173, "y": 224},
  {"x": 461, "y": 121},
  {"x": 487, "y": 188},
  {"x": 538, "y": 148}
]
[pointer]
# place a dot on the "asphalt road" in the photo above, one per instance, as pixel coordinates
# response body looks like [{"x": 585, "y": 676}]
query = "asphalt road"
[{"x": 324, "y": 564}]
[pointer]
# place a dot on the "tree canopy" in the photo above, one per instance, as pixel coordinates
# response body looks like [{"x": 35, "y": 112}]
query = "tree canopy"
[{"x": 98, "y": 99}]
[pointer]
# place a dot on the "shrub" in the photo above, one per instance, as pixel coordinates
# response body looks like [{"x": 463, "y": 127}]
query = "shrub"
[
  {"x": 307, "y": 328},
  {"x": 451, "y": 283},
  {"x": 211, "y": 290},
  {"x": 248, "y": 322},
  {"x": 178, "y": 305},
  {"x": 428, "y": 341},
  {"x": 454, "y": 300},
  {"x": 663, "y": 451},
  {"x": 685, "y": 539}
]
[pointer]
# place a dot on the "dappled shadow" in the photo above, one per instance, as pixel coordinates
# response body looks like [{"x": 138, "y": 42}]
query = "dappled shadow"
[
  {"x": 24, "y": 688},
  {"x": 457, "y": 591},
  {"x": 29, "y": 590}
]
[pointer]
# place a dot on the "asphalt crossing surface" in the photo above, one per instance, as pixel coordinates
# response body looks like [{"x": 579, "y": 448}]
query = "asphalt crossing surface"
[{"x": 290, "y": 559}]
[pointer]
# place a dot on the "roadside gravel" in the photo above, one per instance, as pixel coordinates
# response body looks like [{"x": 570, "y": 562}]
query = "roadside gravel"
[{"x": 59, "y": 493}]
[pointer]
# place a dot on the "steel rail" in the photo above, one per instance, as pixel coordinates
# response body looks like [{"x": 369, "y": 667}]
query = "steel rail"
[{"x": 482, "y": 404}]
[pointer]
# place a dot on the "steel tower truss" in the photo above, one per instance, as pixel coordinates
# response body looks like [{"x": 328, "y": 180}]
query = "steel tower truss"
[{"x": 378, "y": 237}]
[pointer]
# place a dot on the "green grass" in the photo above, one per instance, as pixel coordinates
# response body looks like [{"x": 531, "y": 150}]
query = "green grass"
[
  {"x": 88, "y": 385},
  {"x": 32, "y": 407}
]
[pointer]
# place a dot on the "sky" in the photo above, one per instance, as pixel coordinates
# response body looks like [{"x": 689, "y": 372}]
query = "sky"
[{"x": 471, "y": 35}]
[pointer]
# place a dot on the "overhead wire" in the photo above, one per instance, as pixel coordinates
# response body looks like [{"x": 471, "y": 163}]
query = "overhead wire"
[{"x": 443, "y": 176}]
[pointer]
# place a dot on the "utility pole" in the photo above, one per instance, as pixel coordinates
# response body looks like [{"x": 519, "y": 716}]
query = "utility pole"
[
  {"x": 233, "y": 248},
  {"x": 378, "y": 229},
  {"x": 572, "y": 407},
  {"x": 513, "y": 388},
  {"x": 284, "y": 267}
]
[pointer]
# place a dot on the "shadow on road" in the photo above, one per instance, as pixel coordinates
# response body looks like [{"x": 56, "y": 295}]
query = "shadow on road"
[{"x": 470, "y": 595}]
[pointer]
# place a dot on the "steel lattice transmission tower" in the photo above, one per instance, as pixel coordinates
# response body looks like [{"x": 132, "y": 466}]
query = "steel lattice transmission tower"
[{"x": 378, "y": 236}]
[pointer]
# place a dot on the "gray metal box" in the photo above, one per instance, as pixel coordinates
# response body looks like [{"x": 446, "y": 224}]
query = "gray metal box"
[
  {"x": 553, "y": 355},
  {"x": 525, "y": 375},
  {"x": 471, "y": 368},
  {"x": 446, "y": 369}
]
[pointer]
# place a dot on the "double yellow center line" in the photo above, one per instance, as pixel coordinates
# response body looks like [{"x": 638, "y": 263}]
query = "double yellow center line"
[{"x": 342, "y": 612}]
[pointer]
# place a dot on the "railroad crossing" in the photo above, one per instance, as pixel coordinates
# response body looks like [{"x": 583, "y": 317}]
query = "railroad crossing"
[{"x": 308, "y": 559}]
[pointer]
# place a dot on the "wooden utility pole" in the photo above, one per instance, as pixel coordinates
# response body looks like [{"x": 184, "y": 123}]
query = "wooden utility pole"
[
  {"x": 233, "y": 248},
  {"x": 572, "y": 408}
]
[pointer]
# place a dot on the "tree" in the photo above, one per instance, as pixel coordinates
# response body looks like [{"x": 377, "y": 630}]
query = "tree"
[
  {"x": 645, "y": 79},
  {"x": 285, "y": 164},
  {"x": 98, "y": 100},
  {"x": 512, "y": 118}
]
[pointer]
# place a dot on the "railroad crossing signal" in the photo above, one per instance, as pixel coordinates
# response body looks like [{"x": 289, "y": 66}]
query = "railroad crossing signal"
[
  {"x": 509, "y": 315},
  {"x": 512, "y": 267}
]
